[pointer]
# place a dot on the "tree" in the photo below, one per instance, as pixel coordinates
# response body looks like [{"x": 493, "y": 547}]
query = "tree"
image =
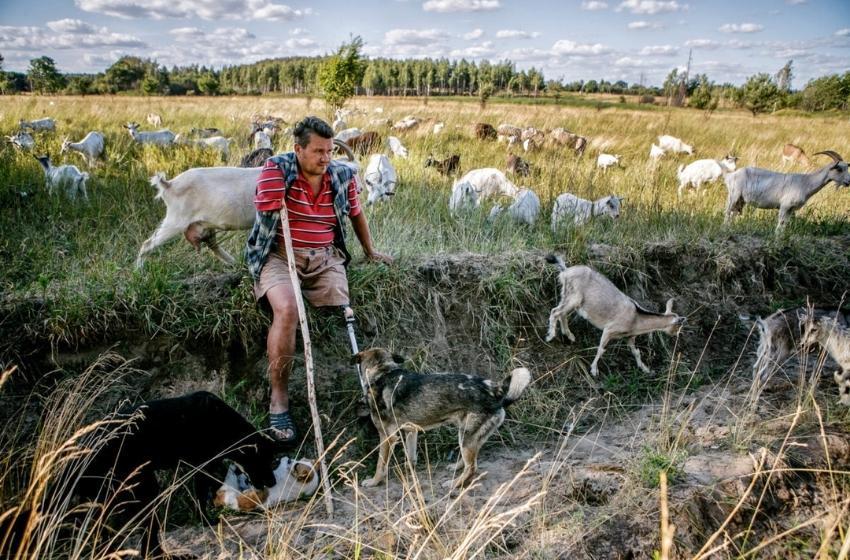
[
  {"x": 759, "y": 94},
  {"x": 43, "y": 75},
  {"x": 80, "y": 85},
  {"x": 484, "y": 93},
  {"x": 827, "y": 92},
  {"x": 208, "y": 84},
  {"x": 4, "y": 79},
  {"x": 126, "y": 73},
  {"x": 702, "y": 98},
  {"x": 339, "y": 75},
  {"x": 784, "y": 77}
]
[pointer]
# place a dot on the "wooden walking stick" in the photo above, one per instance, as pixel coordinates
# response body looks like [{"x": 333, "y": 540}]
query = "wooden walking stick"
[{"x": 308, "y": 358}]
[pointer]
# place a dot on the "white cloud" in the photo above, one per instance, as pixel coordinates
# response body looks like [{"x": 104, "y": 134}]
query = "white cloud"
[
  {"x": 298, "y": 31},
  {"x": 664, "y": 50},
  {"x": 796, "y": 2},
  {"x": 594, "y": 5},
  {"x": 516, "y": 34},
  {"x": 565, "y": 47},
  {"x": 740, "y": 28},
  {"x": 421, "y": 37},
  {"x": 71, "y": 26},
  {"x": 474, "y": 34},
  {"x": 650, "y": 7},
  {"x": 483, "y": 50},
  {"x": 446, "y": 6},
  {"x": 84, "y": 36},
  {"x": 204, "y": 9},
  {"x": 300, "y": 43},
  {"x": 843, "y": 32},
  {"x": 703, "y": 44},
  {"x": 644, "y": 25}
]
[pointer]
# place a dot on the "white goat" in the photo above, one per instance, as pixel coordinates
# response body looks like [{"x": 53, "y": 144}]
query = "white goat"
[
  {"x": 397, "y": 147},
  {"x": 218, "y": 143},
  {"x": 262, "y": 140},
  {"x": 704, "y": 171},
  {"x": 833, "y": 337},
  {"x": 601, "y": 303},
  {"x": 67, "y": 176},
  {"x": 91, "y": 146},
  {"x": 673, "y": 144},
  {"x": 508, "y": 133},
  {"x": 22, "y": 140},
  {"x": 201, "y": 201},
  {"x": 339, "y": 125},
  {"x": 581, "y": 210},
  {"x": 162, "y": 137},
  {"x": 154, "y": 119},
  {"x": 406, "y": 123},
  {"x": 42, "y": 125},
  {"x": 786, "y": 191},
  {"x": 438, "y": 128},
  {"x": 604, "y": 161},
  {"x": 478, "y": 185},
  {"x": 525, "y": 209},
  {"x": 348, "y": 134},
  {"x": 656, "y": 152},
  {"x": 380, "y": 179}
]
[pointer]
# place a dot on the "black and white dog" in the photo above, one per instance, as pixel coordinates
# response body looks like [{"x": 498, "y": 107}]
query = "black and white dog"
[{"x": 197, "y": 431}]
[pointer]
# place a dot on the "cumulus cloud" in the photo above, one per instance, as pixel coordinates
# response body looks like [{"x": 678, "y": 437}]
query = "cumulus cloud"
[
  {"x": 83, "y": 35},
  {"x": 413, "y": 36},
  {"x": 843, "y": 32},
  {"x": 703, "y": 44},
  {"x": 593, "y": 5},
  {"x": 298, "y": 31},
  {"x": 516, "y": 34},
  {"x": 474, "y": 34},
  {"x": 740, "y": 28},
  {"x": 649, "y": 7},
  {"x": 446, "y": 6},
  {"x": 204, "y": 9},
  {"x": 484, "y": 50},
  {"x": 664, "y": 50},
  {"x": 565, "y": 47},
  {"x": 644, "y": 25}
]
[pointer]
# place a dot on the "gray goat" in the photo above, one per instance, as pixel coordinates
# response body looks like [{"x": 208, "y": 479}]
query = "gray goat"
[
  {"x": 786, "y": 191},
  {"x": 599, "y": 301}
]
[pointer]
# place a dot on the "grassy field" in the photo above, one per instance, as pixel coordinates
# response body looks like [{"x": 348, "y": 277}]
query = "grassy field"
[{"x": 68, "y": 284}]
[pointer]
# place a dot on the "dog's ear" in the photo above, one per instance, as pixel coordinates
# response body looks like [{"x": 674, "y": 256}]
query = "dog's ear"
[
  {"x": 356, "y": 359},
  {"x": 399, "y": 359}
]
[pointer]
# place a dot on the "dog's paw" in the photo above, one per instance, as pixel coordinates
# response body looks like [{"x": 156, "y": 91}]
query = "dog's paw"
[
  {"x": 370, "y": 483},
  {"x": 550, "y": 337},
  {"x": 572, "y": 337}
]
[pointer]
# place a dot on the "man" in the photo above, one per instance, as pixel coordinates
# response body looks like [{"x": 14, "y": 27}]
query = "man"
[{"x": 318, "y": 193}]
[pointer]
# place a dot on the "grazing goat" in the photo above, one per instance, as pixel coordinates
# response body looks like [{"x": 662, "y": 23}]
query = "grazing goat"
[
  {"x": 601, "y": 303},
  {"x": 438, "y": 127},
  {"x": 673, "y": 144},
  {"x": 704, "y": 171},
  {"x": 478, "y": 185},
  {"x": 256, "y": 158},
  {"x": 22, "y": 140},
  {"x": 786, "y": 191},
  {"x": 201, "y": 201},
  {"x": 835, "y": 339},
  {"x": 261, "y": 139},
  {"x": 380, "y": 179},
  {"x": 508, "y": 133},
  {"x": 518, "y": 166},
  {"x": 525, "y": 209},
  {"x": 792, "y": 153},
  {"x": 397, "y": 147},
  {"x": 39, "y": 125},
  {"x": 779, "y": 338},
  {"x": 153, "y": 119},
  {"x": 447, "y": 166},
  {"x": 364, "y": 143},
  {"x": 604, "y": 161},
  {"x": 348, "y": 134},
  {"x": 68, "y": 176},
  {"x": 339, "y": 125},
  {"x": 91, "y": 146},
  {"x": 484, "y": 131},
  {"x": 205, "y": 132},
  {"x": 160, "y": 137},
  {"x": 581, "y": 210},
  {"x": 218, "y": 143},
  {"x": 406, "y": 123},
  {"x": 566, "y": 138},
  {"x": 655, "y": 152}
]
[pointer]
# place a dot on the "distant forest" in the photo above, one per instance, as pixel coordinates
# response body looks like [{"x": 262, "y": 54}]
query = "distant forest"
[{"x": 424, "y": 77}]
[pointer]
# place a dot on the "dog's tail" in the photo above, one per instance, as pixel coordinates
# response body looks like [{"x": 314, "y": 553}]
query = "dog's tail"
[
  {"x": 514, "y": 384},
  {"x": 557, "y": 261}
]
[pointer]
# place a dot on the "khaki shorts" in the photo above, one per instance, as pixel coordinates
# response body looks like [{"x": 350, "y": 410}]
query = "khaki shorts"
[{"x": 321, "y": 272}]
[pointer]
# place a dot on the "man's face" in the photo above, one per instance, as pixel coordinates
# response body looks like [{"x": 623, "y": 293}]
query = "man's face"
[{"x": 315, "y": 157}]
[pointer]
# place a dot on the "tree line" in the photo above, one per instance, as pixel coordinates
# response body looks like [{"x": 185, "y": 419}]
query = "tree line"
[{"x": 326, "y": 76}]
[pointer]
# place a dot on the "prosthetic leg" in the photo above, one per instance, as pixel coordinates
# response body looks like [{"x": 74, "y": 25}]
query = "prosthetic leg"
[{"x": 348, "y": 313}]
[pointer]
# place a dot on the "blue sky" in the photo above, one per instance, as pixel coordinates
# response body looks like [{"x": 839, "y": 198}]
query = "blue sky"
[{"x": 632, "y": 40}]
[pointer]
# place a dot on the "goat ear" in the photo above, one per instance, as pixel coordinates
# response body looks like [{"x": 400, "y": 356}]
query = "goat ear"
[
  {"x": 669, "y": 308},
  {"x": 398, "y": 358}
]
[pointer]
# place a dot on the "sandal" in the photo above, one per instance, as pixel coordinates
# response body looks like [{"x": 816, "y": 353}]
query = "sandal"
[{"x": 282, "y": 427}]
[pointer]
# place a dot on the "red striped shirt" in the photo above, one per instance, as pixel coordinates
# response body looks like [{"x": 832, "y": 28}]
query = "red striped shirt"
[{"x": 311, "y": 218}]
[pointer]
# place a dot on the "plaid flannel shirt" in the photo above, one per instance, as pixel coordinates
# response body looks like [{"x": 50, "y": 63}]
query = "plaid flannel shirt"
[{"x": 263, "y": 237}]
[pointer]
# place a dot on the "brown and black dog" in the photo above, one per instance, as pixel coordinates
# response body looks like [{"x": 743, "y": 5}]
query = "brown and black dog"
[{"x": 410, "y": 401}]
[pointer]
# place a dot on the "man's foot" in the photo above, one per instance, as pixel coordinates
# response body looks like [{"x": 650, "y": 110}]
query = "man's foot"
[{"x": 281, "y": 427}]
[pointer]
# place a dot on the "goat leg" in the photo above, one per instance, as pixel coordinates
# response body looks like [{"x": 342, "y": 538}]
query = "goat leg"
[
  {"x": 603, "y": 342},
  {"x": 636, "y": 354}
]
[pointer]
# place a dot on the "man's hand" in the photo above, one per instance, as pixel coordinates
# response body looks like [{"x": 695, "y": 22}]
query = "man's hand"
[{"x": 377, "y": 257}]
